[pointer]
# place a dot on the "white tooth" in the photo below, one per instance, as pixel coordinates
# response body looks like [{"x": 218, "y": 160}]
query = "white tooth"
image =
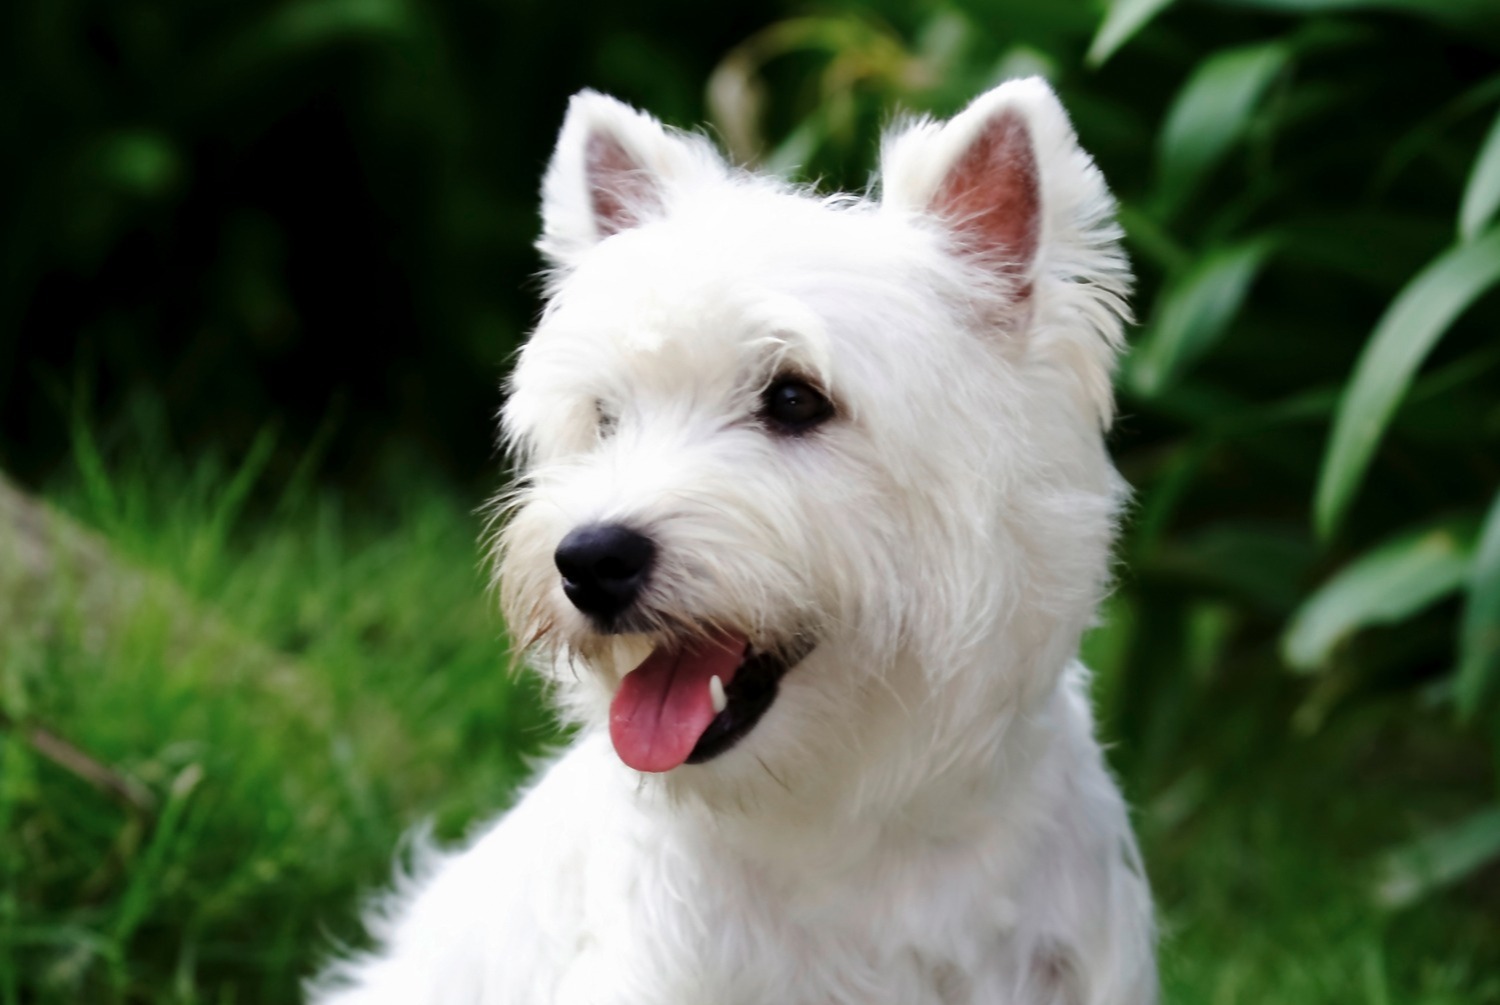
[{"x": 716, "y": 694}]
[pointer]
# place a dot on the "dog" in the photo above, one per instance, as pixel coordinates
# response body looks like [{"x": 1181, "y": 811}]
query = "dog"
[{"x": 814, "y": 506}]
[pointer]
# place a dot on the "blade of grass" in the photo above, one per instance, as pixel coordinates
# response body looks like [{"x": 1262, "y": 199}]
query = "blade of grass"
[
  {"x": 1261, "y": 564},
  {"x": 1212, "y": 111},
  {"x": 99, "y": 487},
  {"x": 1121, "y": 22},
  {"x": 1193, "y": 313},
  {"x": 1482, "y": 193},
  {"x": 136, "y": 901},
  {"x": 1439, "y": 858},
  {"x": 1383, "y": 586},
  {"x": 793, "y": 153},
  {"x": 1479, "y": 631},
  {"x": 1149, "y": 240},
  {"x": 1408, "y": 330},
  {"x": 1420, "y": 139},
  {"x": 226, "y": 508}
]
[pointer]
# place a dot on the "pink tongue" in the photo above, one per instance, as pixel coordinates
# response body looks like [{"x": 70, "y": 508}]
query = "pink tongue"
[{"x": 663, "y": 706}]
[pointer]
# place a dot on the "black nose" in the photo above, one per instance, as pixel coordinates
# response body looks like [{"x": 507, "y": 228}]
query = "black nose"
[{"x": 603, "y": 567}]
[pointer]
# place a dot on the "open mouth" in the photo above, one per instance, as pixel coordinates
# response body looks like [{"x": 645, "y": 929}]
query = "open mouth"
[{"x": 688, "y": 703}]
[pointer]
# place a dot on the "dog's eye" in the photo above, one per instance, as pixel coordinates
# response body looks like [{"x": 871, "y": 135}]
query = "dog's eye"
[{"x": 791, "y": 406}]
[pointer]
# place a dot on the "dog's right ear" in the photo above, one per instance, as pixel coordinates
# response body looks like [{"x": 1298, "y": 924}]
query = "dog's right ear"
[{"x": 614, "y": 168}]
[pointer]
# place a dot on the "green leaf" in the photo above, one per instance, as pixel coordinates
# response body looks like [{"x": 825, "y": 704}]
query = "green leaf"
[
  {"x": 318, "y": 22},
  {"x": 1479, "y": 631},
  {"x": 1193, "y": 312},
  {"x": 140, "y": 162},
  {"x": 793, "y": 153},
  {"x": 1261, "y": 564},
  {"x": 1389, "y": 584},
  {"x": 1376, "y": 247},
  {"x": 1123, "y": 19},
  {"x": 1439, "y": 858},
  {"x": 1482, "y": 193},
  {"x": 1408, "y": 330},
  {"x": 1212, "y": 111},
  {"x": 1431, "y": 133}
]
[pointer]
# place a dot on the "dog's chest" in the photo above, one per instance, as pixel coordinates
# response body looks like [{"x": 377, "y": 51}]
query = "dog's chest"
[
  {"x": 674, "y": 927},
  {"x": 735, "y": 965}
]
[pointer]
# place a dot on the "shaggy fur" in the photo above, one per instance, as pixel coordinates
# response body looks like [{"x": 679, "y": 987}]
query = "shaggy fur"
[{"x": 923, "y": 814}]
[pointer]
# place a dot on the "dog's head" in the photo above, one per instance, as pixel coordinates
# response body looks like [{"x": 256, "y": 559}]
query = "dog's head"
[{"x": 807, "y": 477}]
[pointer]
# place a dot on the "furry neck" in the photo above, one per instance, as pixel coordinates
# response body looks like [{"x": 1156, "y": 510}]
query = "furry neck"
[{"x": 975, "y": 787}]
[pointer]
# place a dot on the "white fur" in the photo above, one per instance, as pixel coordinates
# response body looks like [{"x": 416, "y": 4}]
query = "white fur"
[{"x": 923, "y": 815}]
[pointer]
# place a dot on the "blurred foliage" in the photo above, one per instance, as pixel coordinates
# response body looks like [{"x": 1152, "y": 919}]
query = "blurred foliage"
[{"x": 313, "y": 211}]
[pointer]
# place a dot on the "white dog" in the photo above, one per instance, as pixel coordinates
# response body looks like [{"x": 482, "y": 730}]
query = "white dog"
[{"x": 815, "y": 508}]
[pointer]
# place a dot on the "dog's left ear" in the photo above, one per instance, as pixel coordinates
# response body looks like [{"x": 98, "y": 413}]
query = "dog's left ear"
[
  {"x": 614, "y": 168},
  {"x": 1008, "y": 184},
  {"x": 980, "y": 175}
]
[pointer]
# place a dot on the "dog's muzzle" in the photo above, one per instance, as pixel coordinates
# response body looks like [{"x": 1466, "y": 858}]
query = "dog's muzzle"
[{"x": 693, "y": 697}]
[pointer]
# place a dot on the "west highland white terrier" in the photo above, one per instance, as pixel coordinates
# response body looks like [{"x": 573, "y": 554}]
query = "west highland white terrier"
[{"x": 814, "y": 508}]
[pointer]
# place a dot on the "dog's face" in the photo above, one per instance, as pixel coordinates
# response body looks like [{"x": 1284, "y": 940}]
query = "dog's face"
[{"x": 802, "y": 476}]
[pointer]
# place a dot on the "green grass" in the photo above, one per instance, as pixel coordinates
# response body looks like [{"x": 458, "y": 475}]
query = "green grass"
[
  {"x": 1265, "y": 858},
  {"x": 352, "y": 681},
  {"x": 299, "y": 687}
]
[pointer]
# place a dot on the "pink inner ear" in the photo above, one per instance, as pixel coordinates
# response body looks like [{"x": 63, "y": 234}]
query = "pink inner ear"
[
  {"x": 619, "y": 188},
  {"x": 991, "y": 195}
]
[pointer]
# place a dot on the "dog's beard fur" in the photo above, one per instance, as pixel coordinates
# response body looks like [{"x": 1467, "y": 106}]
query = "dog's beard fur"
[{"x": 928, "y": 557}]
